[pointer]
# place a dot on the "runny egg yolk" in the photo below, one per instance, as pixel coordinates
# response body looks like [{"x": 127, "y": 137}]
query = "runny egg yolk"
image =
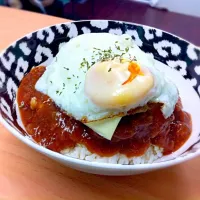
[
  {"x": 135, "y": 70},
  {"x": 114, "y": 84}
]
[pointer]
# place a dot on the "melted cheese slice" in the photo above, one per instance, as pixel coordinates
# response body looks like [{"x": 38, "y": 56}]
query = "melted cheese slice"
[{"x": 106, "y": 127}]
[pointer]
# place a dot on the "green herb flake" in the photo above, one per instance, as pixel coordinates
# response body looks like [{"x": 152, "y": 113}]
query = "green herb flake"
[
  {"x": 121, "y": 55},
  {"x": 97, "y": 49},
  {"x": 117, "y": 47},
  {"x": 109, "y": 70},
  {"x": 134, "y": 59},
  {"x": 127, "y": 49},
  {"x": 85, "y": 63}
]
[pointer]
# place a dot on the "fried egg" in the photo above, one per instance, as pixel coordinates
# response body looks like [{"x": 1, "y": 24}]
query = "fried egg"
[{"x": 100, "y": 75}]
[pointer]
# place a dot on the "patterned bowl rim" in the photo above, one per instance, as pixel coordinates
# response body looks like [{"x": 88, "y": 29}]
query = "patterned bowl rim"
[
  {"x": 118, "y": 21},
  {"x": 52, "y": 154}
]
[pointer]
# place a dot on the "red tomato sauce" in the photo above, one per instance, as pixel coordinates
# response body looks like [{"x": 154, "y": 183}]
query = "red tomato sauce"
[{"x": 50, "y": 127}]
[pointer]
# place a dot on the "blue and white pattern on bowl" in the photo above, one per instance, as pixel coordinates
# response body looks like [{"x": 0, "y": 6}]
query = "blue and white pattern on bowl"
[{"x": 41, "y": 46}]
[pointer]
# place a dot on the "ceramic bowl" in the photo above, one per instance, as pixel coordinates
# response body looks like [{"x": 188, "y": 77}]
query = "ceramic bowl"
[{"x": 182, "y": 58}]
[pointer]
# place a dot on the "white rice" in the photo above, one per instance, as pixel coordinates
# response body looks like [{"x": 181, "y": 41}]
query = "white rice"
[{"x": 81, "y": 152}]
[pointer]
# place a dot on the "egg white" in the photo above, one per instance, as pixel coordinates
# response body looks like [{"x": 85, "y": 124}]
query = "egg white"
[{"x": 64, "y": 78}]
